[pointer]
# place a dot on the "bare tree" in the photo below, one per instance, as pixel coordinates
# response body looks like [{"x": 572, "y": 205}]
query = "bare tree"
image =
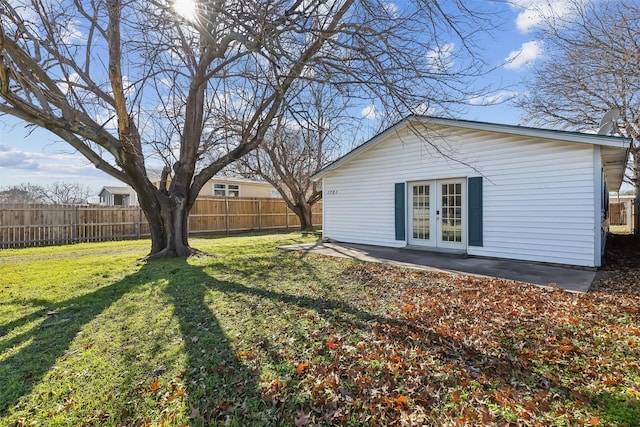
[
  {"x": 130, "y": 85},
  {"x": 71, "y": 193},
  {"x": 305, "y": 137},
  {"x": 591, "y": 65},
  {"x": 22, "y": 193},
  {"x": 56, "y": 193}
]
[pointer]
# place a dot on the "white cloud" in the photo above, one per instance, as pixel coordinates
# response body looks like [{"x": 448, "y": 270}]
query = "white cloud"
[
  {"x": 18, "y": 166},
  {"x": 370, "y": 112},
  {"x": 533, "y": 12},
  {"x": 64, "y": 85},
  {"x": 14, "y": 158},
  {"x": 426, "y": 110},
  {"x": 524, "y": 57},
  {"x": 391, "y": 9},
  {"x": 71, "y": 32},
  {"x": 440, "y": 59},
  {"x": 128, "y": 87},
  {"x": 107, "y": 120}
]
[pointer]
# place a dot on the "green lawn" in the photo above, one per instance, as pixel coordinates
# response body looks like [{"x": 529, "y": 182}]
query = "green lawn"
[
  {"x": 247, "y": 335},
  {"x": 619, "y": 229}
]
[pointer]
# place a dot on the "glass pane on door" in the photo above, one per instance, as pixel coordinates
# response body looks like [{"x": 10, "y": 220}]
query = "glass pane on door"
[
  {"x": 420, "y": 225},
  {"x": 451, "y": 202}
]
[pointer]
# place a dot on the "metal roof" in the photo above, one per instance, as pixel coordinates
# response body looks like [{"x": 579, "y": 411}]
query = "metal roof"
[{"x": 117, "y": 190}]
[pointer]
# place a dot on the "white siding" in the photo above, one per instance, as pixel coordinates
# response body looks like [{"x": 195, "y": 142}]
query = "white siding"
[{"x": 538, "y": 195}]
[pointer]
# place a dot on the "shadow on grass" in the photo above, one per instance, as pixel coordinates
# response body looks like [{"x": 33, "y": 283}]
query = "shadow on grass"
[
  {"x": 220, "y": 388},
  {"x": 499, "y": 371},
  {"x": 618, "y": 409},
  {"x": 36, "y": 350},
  {"x": 215, "y": 380}
]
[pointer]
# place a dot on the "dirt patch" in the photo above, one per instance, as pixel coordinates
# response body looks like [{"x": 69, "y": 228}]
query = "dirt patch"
[{"x": 621, "y": 265}]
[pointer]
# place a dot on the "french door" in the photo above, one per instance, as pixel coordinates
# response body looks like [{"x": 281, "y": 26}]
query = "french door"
[{"x": 437, "y": 213}]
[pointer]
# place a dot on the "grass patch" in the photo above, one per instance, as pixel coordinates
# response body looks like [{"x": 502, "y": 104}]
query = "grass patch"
[
  {"x": 619, "y": 229},
  {"x": 247, "y": 335}
]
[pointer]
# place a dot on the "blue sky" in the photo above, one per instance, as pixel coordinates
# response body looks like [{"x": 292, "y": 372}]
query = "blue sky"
[{"x": 38, "y": 157}]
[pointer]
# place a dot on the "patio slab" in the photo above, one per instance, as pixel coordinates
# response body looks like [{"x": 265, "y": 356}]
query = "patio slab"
[{"x": 572, "y": 279}]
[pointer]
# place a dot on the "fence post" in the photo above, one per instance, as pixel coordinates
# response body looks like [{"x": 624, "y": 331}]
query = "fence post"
[
  {"x": 226, "y": 207},
  {"x": 138, "y": 225},
  {"x": 26, "y": 215},
  {"x": 286, "y": 209},
  {"x": 259, "y": 214},
  {"x": 75, "y": 227}
]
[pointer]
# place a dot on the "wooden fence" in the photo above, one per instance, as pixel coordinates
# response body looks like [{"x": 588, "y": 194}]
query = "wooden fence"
[
  {"x": 46, "y": 225},
  {"x": 621, "y": 212}
]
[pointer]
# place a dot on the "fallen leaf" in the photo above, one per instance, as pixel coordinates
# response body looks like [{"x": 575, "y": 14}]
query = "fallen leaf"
[
  {"x": 302, "y": 419},
  {"x": 332, "y": 344},
  {"x": 178, "y": 393},
  {"x": 195, "y": 413},
  {"x": 400, "y": 400},
  {"x": 275, "y": 383},
  {"x": 301, "y": 367},
  {"x": 154, "y": 385}
]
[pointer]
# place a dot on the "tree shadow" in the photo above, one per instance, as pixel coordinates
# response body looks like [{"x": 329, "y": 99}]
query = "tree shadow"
[
  {"x": 38, "y": 348},
  {"x": 214, "y": 377},
  {"x": 220, "y": 386},
  {"x": 620, "y": 409},
  {"x": 496, "y": 372}
]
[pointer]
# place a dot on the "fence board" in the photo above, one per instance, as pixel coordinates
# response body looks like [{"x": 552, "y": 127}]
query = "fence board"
[{"x": 46, "y": 225}]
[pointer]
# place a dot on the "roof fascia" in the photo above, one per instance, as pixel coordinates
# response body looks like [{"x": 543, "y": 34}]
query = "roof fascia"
[
  {"x": 558, "y": 135},
  {"x": 365, "y": 146}
]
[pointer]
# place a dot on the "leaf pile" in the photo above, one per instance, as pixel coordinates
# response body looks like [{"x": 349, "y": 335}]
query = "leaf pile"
[
  {"x": 458, "y": 350},
  {"x": 621, "y": 265}
]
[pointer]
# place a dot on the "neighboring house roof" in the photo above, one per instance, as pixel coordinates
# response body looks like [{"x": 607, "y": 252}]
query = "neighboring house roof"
[
  {"x": 117, "y": 190},
  {"x": 154, "y": 176},
  {"x": 614, "y": 149},
  {"x": 234, "y": 180}
]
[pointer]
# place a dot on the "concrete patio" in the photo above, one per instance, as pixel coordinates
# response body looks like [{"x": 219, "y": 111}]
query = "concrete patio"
[{"x": 572, "y": 279}]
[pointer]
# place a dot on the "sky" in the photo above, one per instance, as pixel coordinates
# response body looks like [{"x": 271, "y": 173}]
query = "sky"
[{"x": 37, "y": 157}]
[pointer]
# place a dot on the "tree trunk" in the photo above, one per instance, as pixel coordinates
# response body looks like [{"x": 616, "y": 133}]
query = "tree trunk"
[
  {"x": 304, "y": 213},
  {"x": 167, "y": 216}
]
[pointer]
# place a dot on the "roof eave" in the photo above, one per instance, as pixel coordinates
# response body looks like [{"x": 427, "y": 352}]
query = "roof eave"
[
  {"x": 614, "y": 164},
  {"x": 559, "y": 135}
]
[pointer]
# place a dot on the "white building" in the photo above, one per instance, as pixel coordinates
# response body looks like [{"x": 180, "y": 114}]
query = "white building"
[
  {"x": 478, "y": 188},
  {"x": 217, "y": 186},
  {"x": 238, "y": 187},
  {"x": 118, "y": 196}
]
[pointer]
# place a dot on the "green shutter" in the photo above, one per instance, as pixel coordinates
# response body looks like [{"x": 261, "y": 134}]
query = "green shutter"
[
  {"x": 475, "y": 210},
  {"x": 399, "y": 210}
]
